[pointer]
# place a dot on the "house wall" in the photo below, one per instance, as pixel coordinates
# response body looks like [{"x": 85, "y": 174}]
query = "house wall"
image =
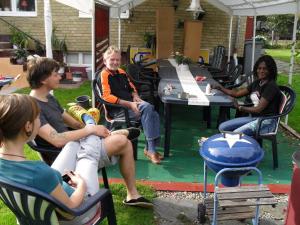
[
  {"x": 215, "y": 26},
  {"x": 78, "y": 30},
  {"x": 65, "y": 19}
]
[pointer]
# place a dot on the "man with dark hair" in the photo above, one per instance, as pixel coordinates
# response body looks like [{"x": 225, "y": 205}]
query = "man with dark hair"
[{"x": 43, "y": 77}]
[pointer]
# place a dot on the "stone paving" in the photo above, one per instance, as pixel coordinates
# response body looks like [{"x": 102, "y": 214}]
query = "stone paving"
[
  {"x": 168, "y": 211},
  {"x": 283, "y": 67}
]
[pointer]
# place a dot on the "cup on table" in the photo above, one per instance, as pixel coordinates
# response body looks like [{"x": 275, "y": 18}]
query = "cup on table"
[{"x": 208, "y": 89}]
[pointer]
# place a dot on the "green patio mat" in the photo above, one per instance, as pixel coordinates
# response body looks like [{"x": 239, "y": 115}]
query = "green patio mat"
[{"x": 186, "y": 165}]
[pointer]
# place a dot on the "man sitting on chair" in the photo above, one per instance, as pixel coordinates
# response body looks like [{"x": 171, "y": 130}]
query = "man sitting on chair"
[
  {"x": 118, "y": 89},
  {"x": 42, "y": 77}
]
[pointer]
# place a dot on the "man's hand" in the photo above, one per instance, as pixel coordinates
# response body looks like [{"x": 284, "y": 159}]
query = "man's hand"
[
  {"x": 134, "y": 108},
  {"x": 136, "y": 97}
]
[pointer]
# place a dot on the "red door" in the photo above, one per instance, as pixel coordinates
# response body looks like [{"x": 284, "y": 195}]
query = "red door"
[{"x": 101, "y": 34}]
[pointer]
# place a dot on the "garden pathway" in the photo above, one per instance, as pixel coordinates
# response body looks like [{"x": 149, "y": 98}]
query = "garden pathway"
[
  {"x": 180, "y": 208},
  {"x": 283, "y": 67}
]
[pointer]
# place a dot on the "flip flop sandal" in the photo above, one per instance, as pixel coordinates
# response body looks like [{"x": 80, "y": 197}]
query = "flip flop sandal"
[
  {"x": 160, "y": 156},
  {"x": 139, "y": 202}
]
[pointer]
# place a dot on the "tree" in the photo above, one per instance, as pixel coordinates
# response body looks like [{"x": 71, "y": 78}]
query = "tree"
[{"x": 280, "y": 25}]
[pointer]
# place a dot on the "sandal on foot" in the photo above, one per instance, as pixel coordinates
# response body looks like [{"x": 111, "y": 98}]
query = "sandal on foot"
[
  {"x": 139, "y": 202},
  {"x": 160, "y": 156},
  {"x": 131, "y": 133}
]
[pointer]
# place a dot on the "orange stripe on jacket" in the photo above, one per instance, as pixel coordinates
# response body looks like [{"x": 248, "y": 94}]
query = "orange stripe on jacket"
[{"x": 107, "y": 95}]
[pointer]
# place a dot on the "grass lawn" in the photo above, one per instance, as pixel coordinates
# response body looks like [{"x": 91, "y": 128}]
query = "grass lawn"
[
  {"x": 125, "y": 215},
  {"x": 282, "y": 54},
  {"x": 129, "y": 215}
]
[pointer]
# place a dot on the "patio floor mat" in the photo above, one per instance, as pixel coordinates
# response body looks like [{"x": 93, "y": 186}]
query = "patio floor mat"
[{"x": 183, "y": 170}]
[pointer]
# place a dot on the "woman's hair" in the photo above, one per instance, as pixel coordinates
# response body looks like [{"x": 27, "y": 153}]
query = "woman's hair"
[
  {"x": 111, "y": 50},
  {"x": 15, "y": 111},
  {"x": 39, "y": 69},
  {"x": 270, "y": 64}
]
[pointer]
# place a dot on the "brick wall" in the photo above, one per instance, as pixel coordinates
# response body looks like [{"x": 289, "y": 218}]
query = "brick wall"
[
  {"x": 215, "y": 26},
  {"x": 78, "y": 30},
  {"x": 65, "y": 19}
]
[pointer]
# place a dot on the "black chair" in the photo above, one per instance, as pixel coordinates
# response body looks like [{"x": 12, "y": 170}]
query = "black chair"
[
  {"x": 230, "y": 78},
  {"x": 146, "y": 84},
  {"x": 49, "y": 154},
  {"x": 33, "y": 207},
  {"x": 217, "y": 61},
  {"x": 111, "y": 122},
  {"x": 287, "y": 104}
]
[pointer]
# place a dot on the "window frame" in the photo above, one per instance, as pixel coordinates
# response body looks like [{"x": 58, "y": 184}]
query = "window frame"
[
  {"x": 16, "y": 13},
  {"x": 80, "y": 59}
]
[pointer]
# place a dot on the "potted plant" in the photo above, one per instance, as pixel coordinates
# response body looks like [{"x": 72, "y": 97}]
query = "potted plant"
[
  {"x": 182, "y": 61},
  {"x": 59, "y": 48},
  {"x": 69, "y": 75},
  {"x": 19, "y": 39},
  {"x": 21, "y": 55}
]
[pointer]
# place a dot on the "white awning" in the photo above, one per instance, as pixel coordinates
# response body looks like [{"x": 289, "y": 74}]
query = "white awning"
[{"x": 257, "y": 7}]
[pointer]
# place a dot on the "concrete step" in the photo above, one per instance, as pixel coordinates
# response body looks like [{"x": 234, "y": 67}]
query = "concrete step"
[
  {"x": 4, "y": 37},
  {"x": 6, "y": 52},
  {"x": 5, "y": 45}
]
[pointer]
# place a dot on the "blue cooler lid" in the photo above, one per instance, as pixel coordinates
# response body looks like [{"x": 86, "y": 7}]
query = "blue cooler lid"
[{"x": 231, "y": 149}]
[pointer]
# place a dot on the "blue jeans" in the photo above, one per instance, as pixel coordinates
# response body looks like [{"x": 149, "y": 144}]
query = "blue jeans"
[
  {"x": 247, "y": 125},
  {"x": 150, "y": 122}
]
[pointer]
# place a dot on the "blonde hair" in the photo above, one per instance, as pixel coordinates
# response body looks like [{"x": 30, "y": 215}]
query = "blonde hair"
[{"x": 111, "y": 50}]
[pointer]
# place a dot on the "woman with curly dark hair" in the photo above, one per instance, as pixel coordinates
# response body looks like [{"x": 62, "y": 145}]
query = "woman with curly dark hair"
[{"x": 265, "y": 96}]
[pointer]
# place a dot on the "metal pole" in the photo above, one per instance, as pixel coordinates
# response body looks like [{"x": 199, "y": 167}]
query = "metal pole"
[
  {"x": 119, "y": 28},
  {"x": 229, "y": 41},
  {"x": 292, "y": 58},
  {"x": 48, "y": 28},
  {"x": 253, "y": 43},
  {"x": 93, "y": 48}
]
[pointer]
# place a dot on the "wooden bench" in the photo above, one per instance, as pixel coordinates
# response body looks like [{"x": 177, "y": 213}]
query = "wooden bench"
[{"x": 238, "y": 203}]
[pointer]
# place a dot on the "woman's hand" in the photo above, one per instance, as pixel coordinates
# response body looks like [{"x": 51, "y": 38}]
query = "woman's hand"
[
  {"x": 76, "y": 180},
  {"x": 216, "y": 86},
  {"x": 98, "y": 130},
  {"x": 235, "y": 104}
]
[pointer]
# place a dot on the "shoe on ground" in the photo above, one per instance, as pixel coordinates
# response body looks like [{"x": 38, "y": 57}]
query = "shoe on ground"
[
  {"x": 132, "y": 133},
  {"x": 139, "y": 202},
  {"x": 161, "y": 157}
]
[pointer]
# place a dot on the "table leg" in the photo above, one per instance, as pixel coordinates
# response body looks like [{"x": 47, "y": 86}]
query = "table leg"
[
  {"x": 223, "y": 114},
  {"x": 207, "y": 115},
  {"x": 167, "y": 116}
]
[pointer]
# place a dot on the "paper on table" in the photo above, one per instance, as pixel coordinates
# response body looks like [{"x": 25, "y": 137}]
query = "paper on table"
[{"x": 190, "y": 85}]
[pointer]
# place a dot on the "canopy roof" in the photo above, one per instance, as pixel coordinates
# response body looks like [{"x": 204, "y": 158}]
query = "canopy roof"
[
  {"x": 232, "y": 7},
  {"x": 117, "y": 6},
  {"x": 257, "y": 7}
]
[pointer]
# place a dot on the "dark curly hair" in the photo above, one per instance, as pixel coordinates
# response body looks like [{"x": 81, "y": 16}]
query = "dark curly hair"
[
  {"x": 270, "y": 64},
  {"x": 39, "y": 69}
]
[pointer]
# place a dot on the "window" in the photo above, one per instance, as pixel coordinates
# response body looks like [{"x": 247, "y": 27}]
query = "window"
[
  {"x": 79, "y": 59},
  {"x": 18, "y": 8}
]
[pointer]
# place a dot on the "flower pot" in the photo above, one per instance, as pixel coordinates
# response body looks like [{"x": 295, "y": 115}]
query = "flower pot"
[
  {"x": 69, "y": 76},
  {"x": 77, "y": 76},
  {"x": 184, "y": 67}
]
